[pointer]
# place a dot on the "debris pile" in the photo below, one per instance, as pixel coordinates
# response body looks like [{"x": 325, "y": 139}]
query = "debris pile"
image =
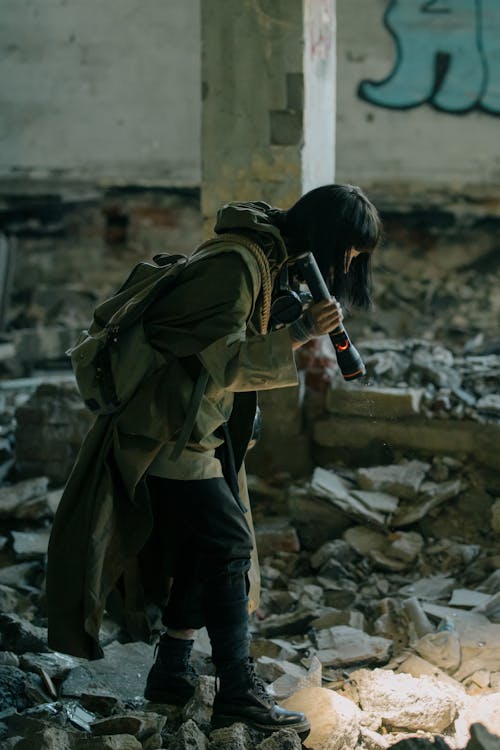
[{"x": 379, "y": 616}]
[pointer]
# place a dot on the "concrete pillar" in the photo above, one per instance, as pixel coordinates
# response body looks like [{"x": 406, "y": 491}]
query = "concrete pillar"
[
  {"x": 268, "y": 118},
  {"x": 261, "y": 137}
]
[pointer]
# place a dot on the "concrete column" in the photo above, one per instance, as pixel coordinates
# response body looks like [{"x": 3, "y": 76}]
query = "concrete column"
[
  {"x": 264, "y": 138},
  {"x": 257, "y": 139}
]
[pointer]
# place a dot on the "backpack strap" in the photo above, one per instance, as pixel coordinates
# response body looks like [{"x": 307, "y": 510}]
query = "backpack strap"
[
  {"x": 194, "y": 407},
  {"x": 260, "y": 257}
]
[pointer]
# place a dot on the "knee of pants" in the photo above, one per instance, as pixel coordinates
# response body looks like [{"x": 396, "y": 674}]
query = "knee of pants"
[{"x": 227, "y": 570}]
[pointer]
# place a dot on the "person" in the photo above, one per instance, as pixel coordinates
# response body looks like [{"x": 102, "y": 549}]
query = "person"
[{"x": 143, "y": 520}]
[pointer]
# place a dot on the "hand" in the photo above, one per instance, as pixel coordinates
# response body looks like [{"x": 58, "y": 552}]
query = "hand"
[{"x": 325, "y": 316}]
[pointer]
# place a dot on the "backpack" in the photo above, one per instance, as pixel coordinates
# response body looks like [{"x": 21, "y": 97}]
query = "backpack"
[{"x": 113, "y": 356}]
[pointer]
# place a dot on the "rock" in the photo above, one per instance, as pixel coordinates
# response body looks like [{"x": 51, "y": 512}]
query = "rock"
[
  {"x": 377, "y": 501},
  {"x": 287, "y": 624},
  {"x": 433, "y": 588},
  {"x": 330, "y": 486},
  {"x": 430, "y": 496},
  {"x": 283, "y": 739},
  {"x": 418, "y": 667},
  {"x": 188, "y": 736},
  {"x": 489, "y": 405},
  {"x": 336, "y": 549},
  {"x": 55, "y": 664},
  {"x": 335, "y": 720},
  {"x": 402, "y": 480},
  {"x": 49, "y": 738},
  {"x": 405, "y": 702},
  {"x": 199, "y": 707},
  {"x": 13, "y": 497},
  {"x": 315, "y": 519},
  {"x": 21, "y": 575},
  {"x": 405, "y": 546},
  {"x": 364, "y": 540},
  {"x": 343, "y": 646},
  {"x": 12, "y": 601},
  {"x": 441, "y": 648},
  {"x": 468, "y": 598},
  {"x": 8, "y": 659},
  {"x": 19, "y": 635},
  {"x": 374, "y": 402},
  {"x": 30, "y": 544},
  {"x": 122, "y": 673},
  {"x": 146, "y": 727},
  {"x": 295, "y": 678},
  {"x": 274, "y": 648},
  {"x": 349, "y": 617},
  {"x": 12, "y": 689},
  {"x": 276, "y": 535},
  {"x": 236, "y": 737},
  {"x": 339, "y": 596},
  {"x": 108, "y": 742}
]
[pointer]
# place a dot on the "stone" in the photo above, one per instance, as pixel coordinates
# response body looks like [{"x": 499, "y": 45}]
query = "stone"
[
  {"x": 364, "y": 540},
  {"x": 433, "y": 588},
  {"x": 342, "y": 645},
  {"x": 338, "y": 596},
  {"x": 374, "y": 402},
  {"x": 441, "y": 648},
  {"x": 49, "y": 738},
  {"x": 288, "y": 624},
  {"x": 377, "y": 501},
  {"x": 431, "y": 495},
  {"x": 13, "y": 497},
  {"x": 404, "y": 702},
  {"x": 315, "y": 519},
  {"x": 276, "y": 535},
  {"x": 274, "y": 648},
  {"x": 468, "y": 598},
  {"x": 405, "y": 546},
  {"x": 283, "y": 739},
  {"x": 330, "y": 486},
  {"x": 108, "y": 742},
  {"x": 235, "y": 737},
  {"x": 416, "y": 666},
  {"x": 336, "y": 549},
  {"x": 30, "y": 544},
  {"x": 335, "y": 720},
  {"x": 12, "y": 689},
  {"x": 8, "y": 659},
  {"x": 55, "y": 664},
  {"x": 350, "y": 617},
  {"x": 19, "y": 635},
  {"x": 19, "y": 576},
  {"x": 489, "y": 405},
  {"x": 146, "y": 727},
  {"x": 295, "y": 678},
  {"x": 402, "y": 480},
  {"x": 12, "y": 601},
  {"x": 199, "y": 707},
  {"x": 121, "y": 673},
  {"x": 189, "y": 735}
]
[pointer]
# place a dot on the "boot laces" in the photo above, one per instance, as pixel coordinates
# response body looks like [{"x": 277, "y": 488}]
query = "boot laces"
[{"x": 257, "y": 683}]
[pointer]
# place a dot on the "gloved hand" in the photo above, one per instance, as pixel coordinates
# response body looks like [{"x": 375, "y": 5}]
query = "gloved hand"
[{"x": 322, "y": 317}]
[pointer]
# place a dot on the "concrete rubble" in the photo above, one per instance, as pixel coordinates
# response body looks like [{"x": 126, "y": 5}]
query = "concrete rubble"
[{"x": 379, "y": 617}]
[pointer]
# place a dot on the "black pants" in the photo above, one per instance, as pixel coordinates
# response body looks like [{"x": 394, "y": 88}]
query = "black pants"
[{"x": 212, "y": 548}]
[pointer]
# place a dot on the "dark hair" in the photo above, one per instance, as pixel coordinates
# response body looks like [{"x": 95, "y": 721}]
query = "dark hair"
[{"x": 328, "y": 221}]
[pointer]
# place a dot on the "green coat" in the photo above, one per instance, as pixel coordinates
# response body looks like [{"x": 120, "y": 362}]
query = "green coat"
[{"x": 102, "y": 551}]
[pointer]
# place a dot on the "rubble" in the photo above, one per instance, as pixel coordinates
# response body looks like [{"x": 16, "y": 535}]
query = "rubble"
[{"x": 380, "y": 612}]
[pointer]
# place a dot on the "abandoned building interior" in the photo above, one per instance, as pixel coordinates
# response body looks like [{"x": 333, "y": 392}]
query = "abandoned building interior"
[{"x": 126, "y": 125}]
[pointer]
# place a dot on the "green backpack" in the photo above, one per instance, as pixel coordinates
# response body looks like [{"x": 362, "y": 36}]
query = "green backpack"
[{"x": 113, "y": 356}]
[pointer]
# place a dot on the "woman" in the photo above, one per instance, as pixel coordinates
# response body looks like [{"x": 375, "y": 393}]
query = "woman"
[{"x": 174, "y": 508}]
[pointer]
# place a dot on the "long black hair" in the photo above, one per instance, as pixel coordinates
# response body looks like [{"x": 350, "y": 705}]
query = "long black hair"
[{"x": 328, "y": 221}]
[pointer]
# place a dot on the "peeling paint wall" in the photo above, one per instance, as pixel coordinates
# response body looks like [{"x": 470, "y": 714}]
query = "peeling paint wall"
[
  {"x": 418, "y": 84},
  {"x": 100, "y": 91}
]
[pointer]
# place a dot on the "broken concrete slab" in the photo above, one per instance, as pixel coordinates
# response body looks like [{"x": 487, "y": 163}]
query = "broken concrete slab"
[
  {"x": 19, "y": 635},
  {"x": 374, "y": 402},
  {"x": 122, "y": 672},
  {"x": 401, "y": 480},
  {"x": 13, "y": 497},
  {"x": 343, "y": 645},
  {"x": 469, "y": 598},
  {"x": 335, "y": 720},
  {"x": 431, "y": 495},
  {"x": 20, "y": 576},
  {"x": 432, "y": 588},
  {"x": 404, "y": 702},
  {"x": 364, "y": 539},
  {"x": 28, "y": 545},
  {"x": 276, "y": 535}
]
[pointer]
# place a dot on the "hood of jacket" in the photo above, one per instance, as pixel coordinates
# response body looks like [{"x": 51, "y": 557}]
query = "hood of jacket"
[{"x": 254, "y": 216}]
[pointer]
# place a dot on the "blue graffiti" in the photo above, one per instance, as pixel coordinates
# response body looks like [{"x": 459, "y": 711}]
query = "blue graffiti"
[{"x": 447, "y": 54}]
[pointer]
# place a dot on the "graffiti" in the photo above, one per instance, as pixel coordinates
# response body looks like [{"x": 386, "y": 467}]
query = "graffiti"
[{"x": 447, "y": 55}]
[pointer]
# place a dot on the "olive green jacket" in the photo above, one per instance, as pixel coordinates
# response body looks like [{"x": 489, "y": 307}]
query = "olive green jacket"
[{"x": 102, "y": 552}]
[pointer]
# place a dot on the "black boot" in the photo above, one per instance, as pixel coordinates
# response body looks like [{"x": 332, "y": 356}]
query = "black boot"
[
  {"x": 171, "y": 679},
  {"x": 243, "y": 697}
]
